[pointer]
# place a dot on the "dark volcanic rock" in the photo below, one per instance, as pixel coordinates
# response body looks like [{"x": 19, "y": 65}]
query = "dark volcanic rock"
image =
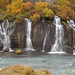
[
  {"x": 18, "y": 38},
  {"x": 69, "y": 40},
  {"x": 38, "y": 36},
  {"x": 50, "y": 38},
  {"x": 39, "y": 33}
]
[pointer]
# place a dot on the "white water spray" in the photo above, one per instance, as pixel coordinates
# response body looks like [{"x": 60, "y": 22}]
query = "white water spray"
[
  {"x": 28, "y": 36},
  {"x": 72, "y": 25},
  {"x": 57, "y": 47},
  {"x": 6, "y": 31}
]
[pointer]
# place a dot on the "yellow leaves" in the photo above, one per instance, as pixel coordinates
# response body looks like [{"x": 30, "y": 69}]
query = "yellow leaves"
[
  {"x": 42, "y": 72},
  {"x": 41, "y": 5},
  {"x": 15, "y": 7},
  {"x": 35, "y": 17},
  {"x": 43, "y": 9},
  {"x": 63, "y": 9},
  {"x": 62, "y": 2},
  {"x": 19, "y": 51},
  {"x": 27, "y": 5},
  {"x": 48, "y": 13},
  {"x": 3, "y": 3},
  {"x": 23, "y": 70},
  {"x": 18, "y": 6}
]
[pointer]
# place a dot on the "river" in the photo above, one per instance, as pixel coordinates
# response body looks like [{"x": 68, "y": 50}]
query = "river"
[{"x": 56, "y": 63}]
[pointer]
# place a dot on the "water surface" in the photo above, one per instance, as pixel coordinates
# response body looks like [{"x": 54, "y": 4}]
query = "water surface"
[{"x": 57, "y": 64}]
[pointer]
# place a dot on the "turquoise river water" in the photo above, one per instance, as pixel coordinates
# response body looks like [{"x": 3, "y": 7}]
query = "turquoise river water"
[{"x": 56, "y": 63}]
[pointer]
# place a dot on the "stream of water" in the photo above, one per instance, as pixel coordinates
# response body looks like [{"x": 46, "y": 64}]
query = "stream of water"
[{"x": 57, "y": 64}]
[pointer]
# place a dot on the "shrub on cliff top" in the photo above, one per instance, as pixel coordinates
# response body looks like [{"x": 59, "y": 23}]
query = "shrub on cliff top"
[
  {"x": 35, "y": 17},
  {"x": 63, "y": 9},
  {"x": 3, "y": 3},
  {"x": 18, "y": 6},
  {"x": 15, "y": 7},
  {"x": 43, "y": 9}
]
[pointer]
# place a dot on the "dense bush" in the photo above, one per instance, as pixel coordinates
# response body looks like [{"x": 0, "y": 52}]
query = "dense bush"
[
  {"x": 3, "y": 3},
  {"x": 65, "y": 9}
]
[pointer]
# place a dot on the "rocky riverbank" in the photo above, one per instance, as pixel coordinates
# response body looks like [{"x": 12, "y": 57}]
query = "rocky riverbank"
[{"x": 17, "y": 53}]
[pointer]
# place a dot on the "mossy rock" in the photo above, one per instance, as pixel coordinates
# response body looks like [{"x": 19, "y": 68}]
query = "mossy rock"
[
  {"x": 42, "y": 72},
  {"x": 19, "y": 51},
  {"x": 17, "y": 70},
  {"x": 22, "y": 70}
]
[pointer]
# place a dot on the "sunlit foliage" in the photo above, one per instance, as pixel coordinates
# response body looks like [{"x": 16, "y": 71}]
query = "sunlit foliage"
[
  {"x": 23, "y": 70},
  {"x": 27, "y": 5},
  {"x": 15, "y": 7},
  {"x": 3, "y": 3},
  {"x": 19, "y": 9},
  {"x": 63, "y": 9},
  {"x": 35, "y": 17},
  {"x": 43, "y": 9}
]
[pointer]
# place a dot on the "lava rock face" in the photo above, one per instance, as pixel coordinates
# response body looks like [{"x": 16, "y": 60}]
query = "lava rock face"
[{"x": 40, "y": 33}]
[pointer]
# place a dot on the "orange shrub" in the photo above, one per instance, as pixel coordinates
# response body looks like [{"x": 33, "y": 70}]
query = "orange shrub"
[
  {"x": 15, "y": 7},
  {"x": 63, "y": 9},
  {"x": 35, "y": 17},
  {"x": 48, "y": 13},
  {"x": 43, "y": 9},
  {"x": 41, "y": 5},
  {"x": 27, "y": 5},
  {"x": 3, "y": 3}
]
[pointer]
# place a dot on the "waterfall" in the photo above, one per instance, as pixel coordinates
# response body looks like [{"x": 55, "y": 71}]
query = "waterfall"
[
  {"x": 72, "y": 25},
  {"x": 28, "y": 35},
  {"x": 45, "y": 34},
  {"x": 6, "y": 30},
  {"x": 43, "y": 50},
  {"x": 57, "y": 47}
]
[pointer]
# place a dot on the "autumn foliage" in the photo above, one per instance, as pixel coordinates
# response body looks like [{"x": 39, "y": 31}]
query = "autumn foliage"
[
  {"x": 3, "y": 3},
  {"x": 15, "y": 7},
  {"x": 65, "y": 9},
  {"x": 22, "y": 70}
]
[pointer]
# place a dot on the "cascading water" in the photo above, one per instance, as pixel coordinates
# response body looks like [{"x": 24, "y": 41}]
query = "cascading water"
[
  {"x": 72, "y": 25},
  {"x": 46, "y": 34},
  {"x": 44, "y": 43},
  {"x": 57, "y": 47},
  {"x": 5, "y": 31},
  {"x": 28, "y": 36}
]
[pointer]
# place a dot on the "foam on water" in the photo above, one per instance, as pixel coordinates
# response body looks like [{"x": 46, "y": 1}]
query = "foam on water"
[{"x": 61, "y": 52}]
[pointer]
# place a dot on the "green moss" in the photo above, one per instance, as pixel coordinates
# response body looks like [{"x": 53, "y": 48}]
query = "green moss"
[
  {"x": 10, "y": 17},
  {"x": 64, "y": 23}
]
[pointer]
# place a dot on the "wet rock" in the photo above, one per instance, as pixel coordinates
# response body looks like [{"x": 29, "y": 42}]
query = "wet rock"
[
  {"x": 38, "y": 36},
  {"x": 50, "y": 38}
]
